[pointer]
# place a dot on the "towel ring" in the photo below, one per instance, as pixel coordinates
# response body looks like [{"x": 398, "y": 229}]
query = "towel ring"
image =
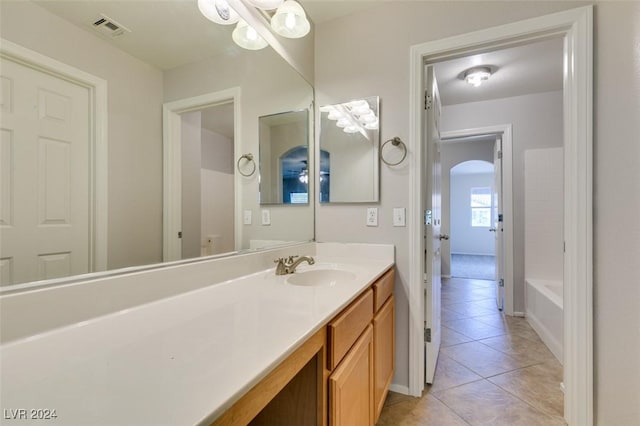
[
  {"x": 396, "y": 141},
  {"x": 249, "y": 158}
]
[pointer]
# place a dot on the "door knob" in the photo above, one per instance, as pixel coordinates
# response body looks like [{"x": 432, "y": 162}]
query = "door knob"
[
  {"x": 492, "y": 229},
  {"x": 443, "y": 237}
]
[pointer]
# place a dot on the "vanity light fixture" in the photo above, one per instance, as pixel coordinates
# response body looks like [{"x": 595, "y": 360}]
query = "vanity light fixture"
[
  {"x": 353, "y": 117},
  {"x": 290, "y": 20},
  {"x": 475, "y": 76},
  {"x": 245, "y": 36},
  {"x": 218, "y": 11}
]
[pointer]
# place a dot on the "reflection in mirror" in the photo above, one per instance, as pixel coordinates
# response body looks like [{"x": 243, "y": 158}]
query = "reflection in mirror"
[
  {"x": 349, "y": 142},
  {"x": 207, "y": 181},
  {"x": 122, "y": 83},
  {"x": 284, "y": 158}
]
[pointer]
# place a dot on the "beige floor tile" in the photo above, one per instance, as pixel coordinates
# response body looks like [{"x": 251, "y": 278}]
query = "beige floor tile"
[
  {"x": 449, "y": 337},
  {"x": 474, "y": 309},
  {"x": 394, "y": 398},
  {"x": 483, "y": 403},
  {"x": 425, "y": 411},
  {"x": 475, "y": 330},
  {"x": 538, "y": 385},
  {"x": 447, "y": 315},
  {"x": 524, "y": 350},
  {"x": 449, "y": 374},
  {"x": 481, "y": 359}
]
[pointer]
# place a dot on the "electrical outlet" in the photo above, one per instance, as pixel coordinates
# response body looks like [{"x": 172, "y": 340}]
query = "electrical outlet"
[
  {"x": 266, "y": 217},
  {"x": 399, "y": 216},
  {"x": 246, "y": 218},
  {"x": 372, "y": 216}
]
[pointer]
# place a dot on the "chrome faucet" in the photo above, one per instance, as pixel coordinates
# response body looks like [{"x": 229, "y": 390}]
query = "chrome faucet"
[{"x": 287, "y": 265}]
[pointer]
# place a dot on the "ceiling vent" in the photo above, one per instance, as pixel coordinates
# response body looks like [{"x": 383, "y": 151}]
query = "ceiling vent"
[{"x": 107, "y": 26}]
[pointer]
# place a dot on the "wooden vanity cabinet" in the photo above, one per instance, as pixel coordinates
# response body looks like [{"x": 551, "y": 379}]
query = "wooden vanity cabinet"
[
  {"x": 361, "y": 356},
  {"x": 340, "y": 376},
  {"x": 384, "y": 352}
]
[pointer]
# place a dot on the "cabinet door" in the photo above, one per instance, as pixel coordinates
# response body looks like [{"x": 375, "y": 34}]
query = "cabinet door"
[
  {"x": 351, "y": 385},
  {"x": 384, "y": 351}
]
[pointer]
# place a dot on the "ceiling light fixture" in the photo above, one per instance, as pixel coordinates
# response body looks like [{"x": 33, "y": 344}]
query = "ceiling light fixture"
[
  {"x": 245, "y": 36},
  {"x": 475, "y": 76}
]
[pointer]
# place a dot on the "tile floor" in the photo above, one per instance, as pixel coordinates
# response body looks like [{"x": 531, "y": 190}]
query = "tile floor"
[{"x": 492, "y": 369}]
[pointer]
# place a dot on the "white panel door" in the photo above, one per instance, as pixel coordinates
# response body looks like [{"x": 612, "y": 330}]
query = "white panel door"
[
  {"x": 432, "y": 227},
  {"x": 498, "y": 224},
  {"x": 44, "y": 176}
]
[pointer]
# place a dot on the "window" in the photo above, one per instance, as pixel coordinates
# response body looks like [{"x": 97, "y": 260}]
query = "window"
[{"x": 481, "y": 207}]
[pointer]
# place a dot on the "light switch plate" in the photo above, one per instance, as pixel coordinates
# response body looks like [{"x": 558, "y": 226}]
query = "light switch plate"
[
  {"x": 266, "y": 217},
  {"x": 246, "y": 218},
  {"x": 399, "y": 216},
  {"x": 372, "y": 216}
]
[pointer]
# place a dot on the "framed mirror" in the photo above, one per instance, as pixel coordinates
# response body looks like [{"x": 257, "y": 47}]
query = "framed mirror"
[
  {"x": 124, "y": 73},
  {"x": 284, "y": 158},
  {"x": 349, "y": 144}
]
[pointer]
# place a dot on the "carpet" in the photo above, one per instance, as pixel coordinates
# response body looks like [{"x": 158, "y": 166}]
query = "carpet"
[{"x": 481, "y": 267}]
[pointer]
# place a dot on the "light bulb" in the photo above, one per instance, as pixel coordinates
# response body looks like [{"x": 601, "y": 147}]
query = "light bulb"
[
  {"x": 252, "y": 34},
  {"x": 343, "y": 122},
  {"x": 290, "y": 20},
  {"x": 247, "y": 37}
]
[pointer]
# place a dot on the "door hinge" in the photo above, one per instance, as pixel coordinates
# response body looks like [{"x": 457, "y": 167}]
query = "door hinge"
[
  {"x": 428, "y": 100},
  {"x": 179, "y": 234},
  {"x": 501, "y": 282},
  {"x": 499, "y": 154},
  {"x": 427, "y": 335}
]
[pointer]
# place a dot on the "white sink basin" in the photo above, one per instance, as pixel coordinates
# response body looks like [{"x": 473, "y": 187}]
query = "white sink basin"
[{"x": 320, "y": 277}]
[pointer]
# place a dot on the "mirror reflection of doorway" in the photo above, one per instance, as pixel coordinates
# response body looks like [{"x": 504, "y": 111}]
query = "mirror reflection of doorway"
[
  {"x": 208, "y": 181},
  {"x": 295, "y": 175}
]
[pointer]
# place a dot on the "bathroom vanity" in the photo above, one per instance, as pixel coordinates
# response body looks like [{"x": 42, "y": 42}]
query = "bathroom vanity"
[{"x": 232, "y": 349}]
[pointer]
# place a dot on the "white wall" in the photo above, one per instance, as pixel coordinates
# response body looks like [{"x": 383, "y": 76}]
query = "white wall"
[
  {"x": 134, "y": 125},
  {"x": 544, "y": 214},
  {"x": 279, "y": 90},
  {"x": 451, "y": 154},
  {"x": 217, "y": 193},
  {"x": 617, "y": 207},
  {"x": 464, "y": 238},
  {"x": 385, "y": 57}
]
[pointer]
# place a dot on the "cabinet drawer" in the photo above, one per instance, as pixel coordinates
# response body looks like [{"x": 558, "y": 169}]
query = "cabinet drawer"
[
  {"x": 347, "y": 326},
  {"x": 382, "y": 289}
]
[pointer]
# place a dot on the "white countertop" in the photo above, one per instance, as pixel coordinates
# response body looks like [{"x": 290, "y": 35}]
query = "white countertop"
[{"x": 178, "y": 361}]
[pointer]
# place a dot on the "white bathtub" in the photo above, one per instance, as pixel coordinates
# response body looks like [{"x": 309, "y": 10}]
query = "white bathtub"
[{"x": 543, "y": 301}]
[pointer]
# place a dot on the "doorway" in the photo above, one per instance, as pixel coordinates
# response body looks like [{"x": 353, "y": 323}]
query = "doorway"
[
  {"x": 210, "y": 111},
  {"x": 575, "y": 26}
]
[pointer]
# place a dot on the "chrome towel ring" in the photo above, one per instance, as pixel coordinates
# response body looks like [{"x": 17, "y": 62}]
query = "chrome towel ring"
[
  {"x": 249, "y": 158},
  {"x": 396, "y": 141}
]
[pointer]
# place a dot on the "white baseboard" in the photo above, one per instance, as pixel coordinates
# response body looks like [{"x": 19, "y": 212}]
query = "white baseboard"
[
  {"x": 399, "y": 389},
  {"x": 519, "y": 314}
]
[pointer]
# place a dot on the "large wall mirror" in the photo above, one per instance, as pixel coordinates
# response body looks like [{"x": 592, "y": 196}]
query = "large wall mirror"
[
  {"x": 349, "y": 144},
  {"x": 148, "y": 54},
  {"x": 284, "y": 158}
]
